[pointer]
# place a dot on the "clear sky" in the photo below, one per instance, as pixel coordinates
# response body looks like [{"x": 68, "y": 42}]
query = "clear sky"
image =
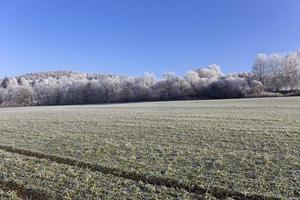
[{"x": 130, "y": 37}]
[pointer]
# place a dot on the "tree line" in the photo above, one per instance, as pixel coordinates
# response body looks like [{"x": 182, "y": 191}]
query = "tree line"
[
  {"x": 278, "y": 72},
  {"x": 272, "y": 73}
]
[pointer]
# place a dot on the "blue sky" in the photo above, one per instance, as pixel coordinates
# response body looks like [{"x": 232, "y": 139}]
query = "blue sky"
[{"x": 130, "y": 37}]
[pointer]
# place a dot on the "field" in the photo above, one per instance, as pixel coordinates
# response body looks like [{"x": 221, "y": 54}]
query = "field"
[{"x": 216, "y": 149}]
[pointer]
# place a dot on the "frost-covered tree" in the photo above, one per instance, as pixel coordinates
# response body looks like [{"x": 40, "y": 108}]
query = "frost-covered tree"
[
  {"x": 291, "y": 69},
  {"x": 197, "y": 84},
  {"x": 260, "y": 67},
  {"x": 274, "y": 78},
  {"x": 273, "y": 72},
  {"x": 211, "y": 72},
  {"x": 277, "y": 71},
  {"x": 227, "y": 88},
  {"x": 256, "y": 88},
  {"x": 143, "y": 87}
]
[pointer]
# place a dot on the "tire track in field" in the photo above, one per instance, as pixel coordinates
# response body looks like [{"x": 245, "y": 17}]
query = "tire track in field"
[
  {"x": 217, "y": 192},
  {"x": 24, "y": 192}
]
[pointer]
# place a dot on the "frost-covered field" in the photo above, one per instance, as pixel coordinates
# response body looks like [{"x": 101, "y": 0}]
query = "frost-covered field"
[{"x": 243, "y": 148}]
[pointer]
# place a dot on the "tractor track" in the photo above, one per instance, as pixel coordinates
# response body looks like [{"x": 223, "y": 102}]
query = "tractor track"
[
  {"x": 26, "y": 193},
  {"x": 217, "y": 192}
]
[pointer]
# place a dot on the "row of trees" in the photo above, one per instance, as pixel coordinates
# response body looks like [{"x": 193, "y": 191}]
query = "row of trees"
[
  {"x": 62, "y": 88},
  {"x": 278, "y": 72},
  {"x": 274, "y": 73}
]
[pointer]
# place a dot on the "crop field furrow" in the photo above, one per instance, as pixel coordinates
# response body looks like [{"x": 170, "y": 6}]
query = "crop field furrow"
[
  {"x": 246, "y": 145},
  {"x": 31, "y": 177},
  {"x": 158, "y": 181},
  {"x": 9, "y": 193},
  {"x": 14, "y": 190}
]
